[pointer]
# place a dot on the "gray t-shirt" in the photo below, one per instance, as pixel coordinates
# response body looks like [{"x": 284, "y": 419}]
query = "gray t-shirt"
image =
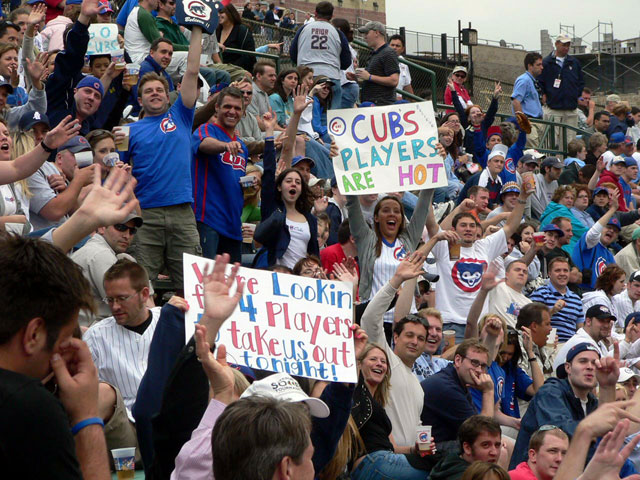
[
  {"x": 42, "y": 194},
  {"x": 319, "y": 47}
]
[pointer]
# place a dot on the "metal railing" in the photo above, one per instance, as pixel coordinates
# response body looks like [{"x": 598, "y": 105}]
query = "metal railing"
[
  {"x": 269, "y": 56},
  {"x": 429, "y": 81}
]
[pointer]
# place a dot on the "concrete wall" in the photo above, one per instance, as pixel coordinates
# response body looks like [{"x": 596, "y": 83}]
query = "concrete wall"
[{"x": 500, "y": 63}]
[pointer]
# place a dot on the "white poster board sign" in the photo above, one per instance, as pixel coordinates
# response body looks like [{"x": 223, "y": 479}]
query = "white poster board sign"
[
  {"x": 284, "y": 323},
  {"x": 386, "y": 149},
  {"x": 103, "y": 38}
]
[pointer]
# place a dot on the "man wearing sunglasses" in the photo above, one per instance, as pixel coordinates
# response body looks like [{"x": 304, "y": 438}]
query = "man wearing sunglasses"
[
  {"x": 566, "y": 400},
  {"x": 99, "y": 254}
]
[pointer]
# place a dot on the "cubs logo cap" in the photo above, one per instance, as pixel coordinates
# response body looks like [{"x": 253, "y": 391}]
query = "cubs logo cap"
[{"x": 91, "y": 82}]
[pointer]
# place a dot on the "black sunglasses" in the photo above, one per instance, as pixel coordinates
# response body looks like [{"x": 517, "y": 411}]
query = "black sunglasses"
[{"x": 121, "y": 227}]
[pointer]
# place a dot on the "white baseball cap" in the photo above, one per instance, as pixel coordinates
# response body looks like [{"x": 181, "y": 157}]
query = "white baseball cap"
[
  {"x": 626, "y": 373},
  {"x": 498, "y": 150},
  {"x": 284, "y": 387}
]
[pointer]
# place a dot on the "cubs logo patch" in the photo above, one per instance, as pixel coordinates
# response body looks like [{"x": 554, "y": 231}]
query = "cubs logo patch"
[
  {"x": 467, "y": 274},
  {"x": 399, "y": 253},
  {"x": 167, "y": 125},
  {"x": 600, "y": 265},
  {"x": 509, "y": 166}
]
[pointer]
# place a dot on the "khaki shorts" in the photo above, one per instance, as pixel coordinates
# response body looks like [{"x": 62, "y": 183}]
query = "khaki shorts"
[{"x": 119, "y": 431}]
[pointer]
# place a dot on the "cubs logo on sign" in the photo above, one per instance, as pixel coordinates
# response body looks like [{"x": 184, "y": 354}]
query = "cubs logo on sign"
[
  {"x": 197, "y": 9},
  {"x": 167, "y": 125},
  {"x": 467, "y": 274},
  {"x": 600, "y": 265}
]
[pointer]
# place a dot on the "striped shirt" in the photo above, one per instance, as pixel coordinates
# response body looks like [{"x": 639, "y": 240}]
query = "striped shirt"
[
  {"x": 121, "y": 355},
  {"x": 567, "y": 319}
]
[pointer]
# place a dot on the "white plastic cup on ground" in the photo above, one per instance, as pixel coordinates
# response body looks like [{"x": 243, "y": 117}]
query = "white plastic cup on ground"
[{"x": 124, "y": 459}]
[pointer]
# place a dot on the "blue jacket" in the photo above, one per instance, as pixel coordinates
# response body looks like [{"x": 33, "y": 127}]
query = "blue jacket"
[
  {"x": 472, "y": 136},
  {"x": 272, "y": 232},
  {"x": 335, "y": 215},
  {"x": 566, "y": 96},
  {"x": 65, "y": 76},
  {"x": 148, "y": 65},
  {"x": 553, "y": 404}
]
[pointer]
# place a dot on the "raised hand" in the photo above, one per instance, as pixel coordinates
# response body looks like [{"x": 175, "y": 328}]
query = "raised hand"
[
  {"x": 343, "y": 274},
  {"x": 608, "y": 369},
  {"x": 320, "y": 204},
  {"x": 300, "y": 100},
  {"x": 610, "y": 454},
  {"x": 111, "y": 202},
  {"x": 37, "y": 14},
  {"x": 489, "y": 281},
  {"x": 451, "y": 85},
  {"x": 63, "y": 132},
  {"x": 219, "y": 303},
  {"x": 410, "y": 267},
  {"x": 219, "y": 373},
  {"x": 37, "y": 69},
  {"x": 497, "y": 90},
  {"x": 467, "y": 205},
  {"x": 270, "y": 120},
  {"x": 527, "y": 341},
  {"x": 360, "y": 339}
]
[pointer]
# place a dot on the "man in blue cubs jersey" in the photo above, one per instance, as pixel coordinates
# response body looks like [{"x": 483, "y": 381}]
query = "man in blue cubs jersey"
[
  {"x": 219, "y": 161},
  {"x": 591, "y": 254},
  {"x": 159, "y": 147}
]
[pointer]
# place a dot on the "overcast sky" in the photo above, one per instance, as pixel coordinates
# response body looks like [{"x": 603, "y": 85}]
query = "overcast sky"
[{"x": 516, "y": 21}]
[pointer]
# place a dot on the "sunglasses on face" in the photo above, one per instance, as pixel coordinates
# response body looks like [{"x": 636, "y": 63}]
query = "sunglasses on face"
[
  {"x": 460, "y": 75},
  {"x": 121, "y": 227}
]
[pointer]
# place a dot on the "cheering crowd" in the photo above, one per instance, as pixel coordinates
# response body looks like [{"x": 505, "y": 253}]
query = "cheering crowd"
[{"x": 498, "y": 313}]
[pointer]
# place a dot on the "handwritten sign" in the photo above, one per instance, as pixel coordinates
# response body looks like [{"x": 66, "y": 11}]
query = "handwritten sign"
[
  {"x": 284, "y": 323},
  {"x": 103, "y": 38},
  {"x": 386, "y": 149}
]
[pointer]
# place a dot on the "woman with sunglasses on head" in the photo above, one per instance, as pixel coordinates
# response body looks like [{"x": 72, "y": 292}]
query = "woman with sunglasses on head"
[{"x": 517, "y": 384}]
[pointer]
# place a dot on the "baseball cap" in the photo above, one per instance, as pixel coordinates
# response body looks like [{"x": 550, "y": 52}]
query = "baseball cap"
[
  {"x": 366, "y": 104},
  {"x": 630, "y": 161},
  {"x": 600, "y": 190},
  {"x": 91, "y": 82},
  {"x": 552, "y": 227},
  {"x": 73, "y": 2},
  {"x": 135, "y": 217},
  {"x": 105, "y": 7},
  {"x": 528, "y": 158},
  {"x": 498, "y": 150},
  {"x": 600, "y": 312},
  {"x": 323, "y": 79},
  {"x": 613, "y": 98},
  {"x": 617, "y": 137},
  {"x": 375, "y": 26},
  {"x": 628, "y": 140},
  {"x": 459, "y": 68},
  {"x": 29, "y": 118},
  {"x": 75, "y": 144},
  {"x": 553, "y": 162},
  {"x": 614, "y": 222},
  {"x": 313, "y": 181},
  {"x": 579, "y": 348},
  {"x": 563, "y": 38},
  {"x": 534, "y": 153},
  {"x": 618, "y": 159},
  {"x": 300, "y": 158},
  {"x": 635, "y": 276},
  {"x": 626, "y": 373},
  {"x": 494, "y": 130},
  {"x": 284, "y": 387},
  {"x": 217, "y": 87},
  {"x": 633, "y": 317},
  {"x": 4, "y": 83},
  {"x": 510, "y": 187},
  {"x": 334, "y": 184}
]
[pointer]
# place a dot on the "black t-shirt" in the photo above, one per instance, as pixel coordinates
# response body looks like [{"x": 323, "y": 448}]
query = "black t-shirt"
[
  {"x": 383, "y": 62},
  {"x": 35, "y": 436},
  {"x": 140, "y": 329}
]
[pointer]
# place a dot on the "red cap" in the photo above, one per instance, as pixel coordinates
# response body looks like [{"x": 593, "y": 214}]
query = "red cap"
[{"x": 494, "y": 130}]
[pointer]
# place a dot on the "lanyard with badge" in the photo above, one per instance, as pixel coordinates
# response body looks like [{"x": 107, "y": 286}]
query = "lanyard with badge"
[{"x": 558, "y": 81}]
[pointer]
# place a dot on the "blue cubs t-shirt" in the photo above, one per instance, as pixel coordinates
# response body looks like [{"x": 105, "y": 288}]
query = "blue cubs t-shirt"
[
  {"x": 496, "y": 373},
  {"x": 516, "y": 382},
  {"x": 596, "y": 259},
  {"x": 218, "y": 198},
  {"x": 159, "y": 154}
]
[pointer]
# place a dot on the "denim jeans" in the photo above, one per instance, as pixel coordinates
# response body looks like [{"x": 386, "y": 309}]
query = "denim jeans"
[
  {"x": 385, "y": 465},
  {"x": 320, "y": 155},
  {"x": 215, "y": 244},
  {"x": 336, "y": 103},
  {"x": 350, "y": 95}
]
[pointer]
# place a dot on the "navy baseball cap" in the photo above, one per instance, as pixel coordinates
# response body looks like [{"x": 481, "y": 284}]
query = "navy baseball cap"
[
  {"x": 553, "y": 162},
  {"x": 633, "y": 317},
  {"x": 600, "y": 312},
  {"x": 528, "y": 158},
  {"x": 29, "y": 118},
  {"x": 76, "y": 144},
  {"x": 614, "y": 222},
  {"x": 334, "y": 182},
  {"x": 91, "y": 82},
  {"x": 600, "y": 190},
  {"x": 300, "y": 158},
  {"x": 630, "y": 161},
  {"x": 7, "y": 85},
  {"x": 578, "y": 348},
  {"x": 552, "y": 227}
]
